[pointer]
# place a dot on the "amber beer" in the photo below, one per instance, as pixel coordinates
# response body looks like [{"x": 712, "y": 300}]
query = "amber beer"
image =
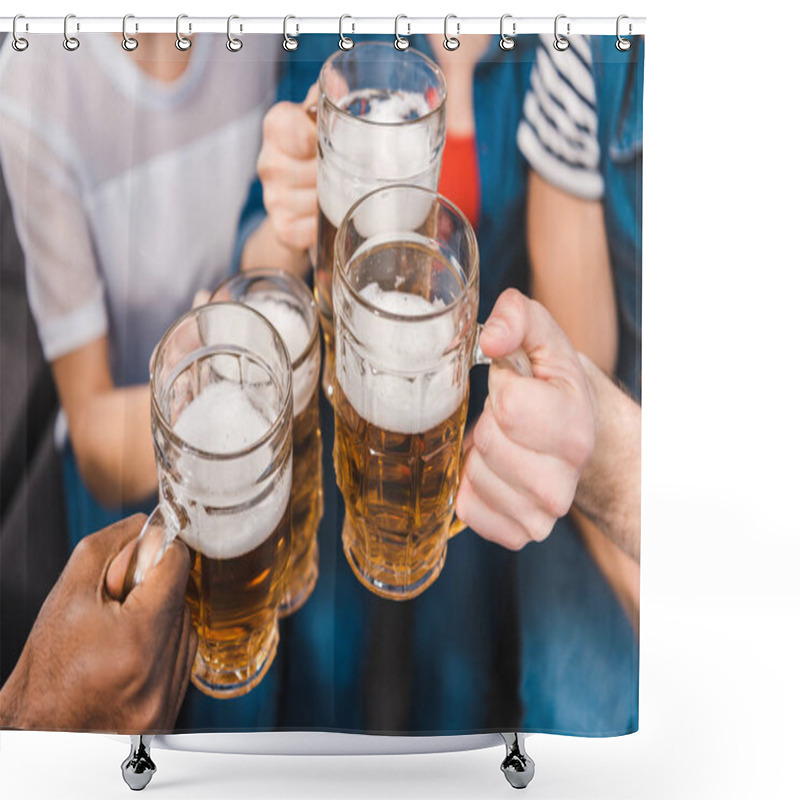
[
  {"x": 400, "y": 399},
  {"x": 406, "y": 297},
  {"x": 398, "y": 488},
  {"x": 380, "y": 120},
  {"x": 307, "y": 505},
  {"x": 234, "y": 603},
  {"x": 288, "y": 304},
  {"x": 221, "y": 409}
]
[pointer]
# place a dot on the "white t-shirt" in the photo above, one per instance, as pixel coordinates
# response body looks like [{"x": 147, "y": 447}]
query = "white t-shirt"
[
  {"x": 558, "y": 131},
  {"x": 127, "y": 191}
]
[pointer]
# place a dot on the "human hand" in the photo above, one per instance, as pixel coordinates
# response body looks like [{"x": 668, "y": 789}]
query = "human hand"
[
  {"x": 287, "y": 168},
  {"x": 95, "y": 662},
  {"x": 534, "y": 435}
]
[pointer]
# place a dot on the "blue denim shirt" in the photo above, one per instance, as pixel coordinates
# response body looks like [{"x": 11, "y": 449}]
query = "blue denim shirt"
[{"x": 618, "y": 84}]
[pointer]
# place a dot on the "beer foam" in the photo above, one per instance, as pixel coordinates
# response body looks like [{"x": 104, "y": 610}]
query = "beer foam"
[
  {"x": 218, "y": 495},
  {"x": 293, "y": 329},
  {"x": 392, "y": 107},
  {"x": 411, "y": 382},
  {"x": 360, "y": 158},
  {"x": 221, "y": 420}
]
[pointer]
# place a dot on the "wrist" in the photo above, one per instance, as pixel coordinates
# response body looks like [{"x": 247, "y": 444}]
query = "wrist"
[
  {"x": 264, "y": 248},
  {"x": 598, "y": 384}
]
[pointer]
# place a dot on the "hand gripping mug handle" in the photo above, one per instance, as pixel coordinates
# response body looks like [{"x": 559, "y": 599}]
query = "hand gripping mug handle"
[
  {"x": 518, "y": 362},
  {"x": 157, "y": 533}
]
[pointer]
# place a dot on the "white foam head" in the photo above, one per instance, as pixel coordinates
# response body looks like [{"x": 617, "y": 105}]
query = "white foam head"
[
  {"x": 294, "y": 330},
  {"x": 411, "y": 383},
  {"x": 222, "y": 420},
  {"x": 364, "y": 157}
]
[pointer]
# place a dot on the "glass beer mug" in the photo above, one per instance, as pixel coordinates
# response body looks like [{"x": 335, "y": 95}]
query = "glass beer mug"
[
  {"x": 380, "y": 120},
  {"x": 288, "y": 304},
  {"x": 405, "y": 296},
  {"x": 221, "y": 417}
]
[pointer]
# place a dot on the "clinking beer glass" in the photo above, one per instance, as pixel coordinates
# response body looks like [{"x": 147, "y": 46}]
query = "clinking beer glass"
[
  {"x": 288, "y": 304},
  {"x": 380, "y": 120},
  {"x": 221, "y": 417},
  {"x": 405, "y": 296}
]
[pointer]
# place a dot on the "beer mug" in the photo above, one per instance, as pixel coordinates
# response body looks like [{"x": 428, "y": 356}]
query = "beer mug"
[
  {"x": 221, "y": 417},
  {"x": 405, "y": 295},
  {"x": 380, "y": 120},
  {"x": 288, "y": 304}
]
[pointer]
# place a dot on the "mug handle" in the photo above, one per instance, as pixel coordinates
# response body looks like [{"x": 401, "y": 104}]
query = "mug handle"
[
  {"x": 157, "y": 533},
  {"x": 518, "y": 362}
]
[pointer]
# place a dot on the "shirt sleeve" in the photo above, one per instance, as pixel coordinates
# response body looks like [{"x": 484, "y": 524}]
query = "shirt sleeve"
[
  {"x": 64, "y": 287},
  {"x": 558, "y": 131}
]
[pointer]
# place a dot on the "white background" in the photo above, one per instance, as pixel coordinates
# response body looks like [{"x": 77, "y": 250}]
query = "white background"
[{"x": 720, "y": 546}]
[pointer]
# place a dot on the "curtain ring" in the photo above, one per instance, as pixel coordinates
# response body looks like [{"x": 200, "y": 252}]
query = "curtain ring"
[
  {"x": 507, "y": 42},
  {"x": 71, "y": 43},
  {"x": 400, "y": 42},
  {"x": 289, "y": 43},
  {"x": 233, "y": 44},
  {"x": 18, "y": 42},
  {"x": 181, "y": 41},
  {"x": 129, "y": 43},
  {"x": 623, "y": 44},
  {"x": 345, "y": 42},
  {"x": 561, "y": 43},
  {"x": 451, "y": 42}
]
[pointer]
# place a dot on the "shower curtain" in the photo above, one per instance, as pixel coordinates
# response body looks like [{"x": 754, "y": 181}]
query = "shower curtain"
[{"x": 135, "y": 181}]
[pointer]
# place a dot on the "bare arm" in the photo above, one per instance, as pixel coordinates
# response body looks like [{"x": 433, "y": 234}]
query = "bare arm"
[
  {"x": 572, "y": 278},
  {"x": 109, "y": 427},
  {"x": 263, "y": 248},
  {"x": 571, "y": 272},
  {"x": 287, "y": 168},
  {"x": 609, "y": 490}
]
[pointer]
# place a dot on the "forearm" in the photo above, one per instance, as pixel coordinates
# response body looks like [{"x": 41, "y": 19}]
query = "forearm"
[
  {"x": 263, "y": 249},
  {"x": 609, "y": 489},
  {"x": 571, "y": 271},
  {"x": 14, "y": 712},
  {"x": 113, "y": 445}
]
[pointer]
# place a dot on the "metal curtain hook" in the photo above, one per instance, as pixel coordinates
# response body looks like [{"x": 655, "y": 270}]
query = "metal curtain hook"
[
  {"x": 400, "y": 42},
  {"x": 623, "y": 44},
  {"x": 233, "y": 44},
  {"x": 18, "y": 42},
  {"x": 289, "y": 43},
  {"x": 560, "y": 43},
  {"x": 507, "y": 42},
  {"x": 181, "y": 41},
  {"x": 129, "y": 43},
  {"x": 451, "y": 42},
  {"x": 345, "y": 42},
  {"x": 71, "y": 43}
]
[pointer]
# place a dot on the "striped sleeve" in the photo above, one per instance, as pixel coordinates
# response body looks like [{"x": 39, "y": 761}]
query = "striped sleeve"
[{"x": 558, "y": 131}]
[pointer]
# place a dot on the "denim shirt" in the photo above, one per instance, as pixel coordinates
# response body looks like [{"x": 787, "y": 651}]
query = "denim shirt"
[
  {"x": 500, "y": 82},
  {"x": 618, "y": 84}
]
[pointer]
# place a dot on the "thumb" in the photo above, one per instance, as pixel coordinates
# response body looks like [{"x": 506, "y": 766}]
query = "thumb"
[
  {"x": 504, "y": 330},
  {"x": 310, "y": 103},
  {"x": 163, "y": 588},
  {"x": 115, "y": 575},
  {"x": 517, "y": 321}
]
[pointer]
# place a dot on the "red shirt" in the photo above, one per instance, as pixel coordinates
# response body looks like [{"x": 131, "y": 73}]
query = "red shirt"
[{"x": 460, "y": 179}]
